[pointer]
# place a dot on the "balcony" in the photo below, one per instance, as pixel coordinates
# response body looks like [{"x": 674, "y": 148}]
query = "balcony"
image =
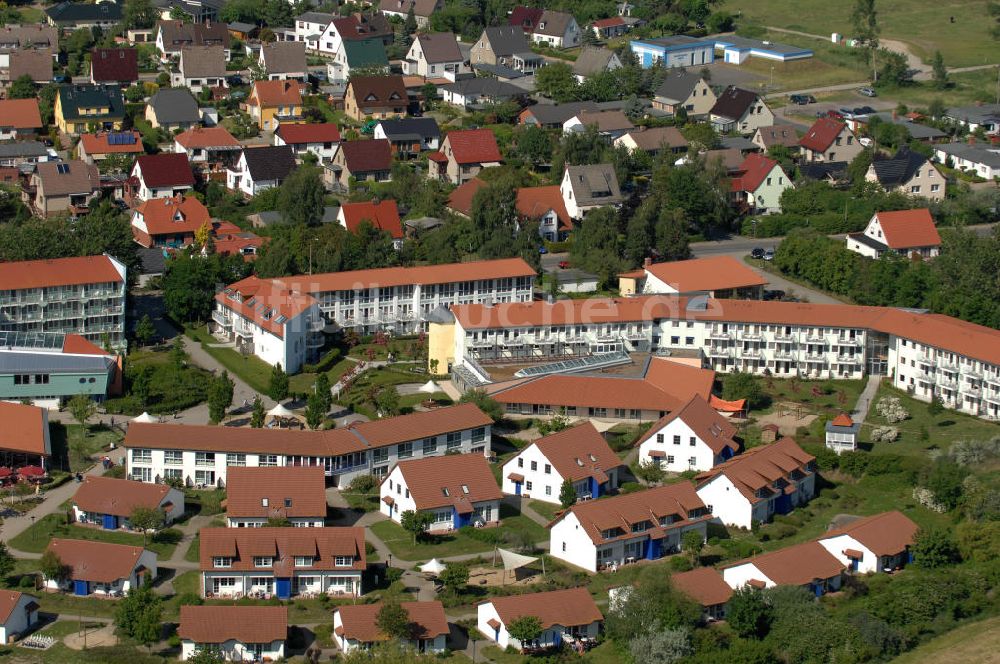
[
  {"x": 991, "y": 396},
  {"x": 222, "y": 319},
  {"x": 721, "y": 336},
  {"x": 926, "y": 360},
  {"x": 785, "y": 354},
  {"x": 316, "y": 325},
  {"x": 851, "y": 343},
  {"x": 751, "y": 353},
  {"x": 992, "y": 380},
  {"x": 315, "y": 341},
  {"x": 719, "y": 352},
  {"x": 816, "y": 358},
  {"x": 944, "y": 381},
  {"x": 784, "y": 336},
  {"x": 814, "y": 338},
  {"x": 971, "y": 390},
  {"x": 849, "y": 359},
  {"x": 750, "y": 336},
  {"x": 971, "y": 370}
]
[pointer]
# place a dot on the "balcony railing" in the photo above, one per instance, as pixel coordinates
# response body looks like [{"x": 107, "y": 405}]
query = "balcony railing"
[
  {"x": 847, "y": 342},
  {"x": 970, "y": 390},
  {"x": 784, "y": 354},
  {"x": 784, "y": 336},
  {"x": 944, "y": 381},
  {"x": 222, "y": 319},
  {"x": 721, "y": 336},
  {"x": 971, "y": 370}
]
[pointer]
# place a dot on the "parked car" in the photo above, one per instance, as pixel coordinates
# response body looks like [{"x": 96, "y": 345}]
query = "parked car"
[
  {"x": 757, "y": 252},
  {"x": 868, "y": 92},
  {"x": 234, "y": 79},
  {"x": 802, "y": 100},
  {"x": 563, "y": 265},
  {"x": 769, "y": 255},
  {"x": 774, "y": 294},
  {"x": 866, "y": 142},
  {"x": 543, "y": 250}
]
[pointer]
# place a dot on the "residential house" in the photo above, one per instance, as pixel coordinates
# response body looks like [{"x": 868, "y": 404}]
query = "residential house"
[
  {"x": 260, "y": 168},
  {"x": 196, "y": 11},
  {"x": 80, "y": 108},
  {"x": 781, "y": 134},
  {"x": 478, "y": 92},
  {"x": 578, "y": 454},
  {"x": 696, "y": 437},
  {"x": 211, "y": 148},
  {"x": 100, "y": 568},
  {"x": 18, "y": 614},
  {"x": 275, "y": 102},
  {"x": 842, "y": 434},
  {"x": 97, "y": 148},
  {"x": 562, "y": 613},
  {"x": 654, "y": 141},
  {"x": 872, "y": 544},
  {"x": 981, "y": 159},
  {"x": 609, "y": 28},
  {"x": 593, "y": 60},
  {"x": 375, "y": 97},
  {"x": 66, "y": 186},
  {"x": 728, "y": 159},
  {"x": 422, "y": 9},
  {"x": 319, "y": 139},
  {"x": 545, "y": 206},
  {"x": 201, "y": 67},
  {"x": 808, "y": 565},
  {"x": 674, "y": 51},
  {"x": 362, "y": 161},
  {"x": 552, "y": 116},
  {"x": 35, "y": 63},
  {"x": 349, "y": 28},
  {"x": 409, "y": 136},
  {"x": 611, "y": 124},
  {"x": 237, "y": 243},
  {"x": 980, "y": 116},
  {"x": 909, "y": 173},
  {"x": 917, "y": 130},
  {"x": 114, "y": 66},
  {"x": 905, "y": 232},
  {"x": 463, "y": 154},
  {"x": 169, "y": 222},
  {"x": 292, "y": 494},
  {"x": 28, "y": 442},
  {"x": 281, "y": 562},
  {"x": 434, "y": 55},
  {"x": 547, "y": 27},
  {"x": 586, "y": 188},
  {"x": 758, "y": 184},
  {"x": 706, "y": 586},
  {"x": 310, "y": 26},
  {"x": 763, "y": 481},
  {"x": 507, "y": 47},
  {"x": 237, "y": 633},
  {"x": 382, "y": 215},
  {"x": 366, "y": 55},
  {"x": 173, "y": 109},
  {"x": 281, "y": 61},
  {"x": 740, "y": 110},
  {"x": 460, "y": 198},
  {"x": 828, "y": 140},
  {"x": 356, "y": 626},
  {"x": 19, "y": 119},
  {"x": 833, "y": 173},
  {"x": 456, "y": 490},
  {"x": 163, "y": 175},
  {"x": 23, "y": 153},
  {"x": 173, "y": 35},
  {"x": 714, "y": 276},
  {"x": 15, "y": 37},
  {"x": 645, "y": 525},
  {"x": 109, "y": 503},
  {"x": 75, "y": 15}
]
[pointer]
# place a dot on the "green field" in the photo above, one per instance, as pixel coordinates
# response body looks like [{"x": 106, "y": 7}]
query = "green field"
[
  {"x": 36, "y": 538},
  {"x": 976, "y": 642},
  {"x": 926, "y": 26}
]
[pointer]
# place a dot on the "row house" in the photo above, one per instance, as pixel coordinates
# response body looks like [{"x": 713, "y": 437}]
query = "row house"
[
  {"x": 356, "y": 627},
  {"x": 563, "y": 614},
  {"x": 696, "y": 437},
  {"x": 237, "y": 633},
  {"x": 281, "y": 562},
  {"x": 604, "y": 534},
  {"x": 174, "y": 35},
  {"x": 200, "y": 456},
  {"x": 808, "y": 565},
  {"x": 109, "y": 503},
  {"x": 79, "y": 295},
  {"x": 456, "y": 490},
  {"x": 100, "y": 568},
  {"x": 763, "y": 481},
  {"x": 578, "y": 454},
  {"x": 879, "y": 543},
  {"x": 705, "y": 586},
  {"x": 292, "y": 494}
]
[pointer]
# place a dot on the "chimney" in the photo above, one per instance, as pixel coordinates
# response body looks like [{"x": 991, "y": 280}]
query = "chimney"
[{"x": 647, "y": 262}]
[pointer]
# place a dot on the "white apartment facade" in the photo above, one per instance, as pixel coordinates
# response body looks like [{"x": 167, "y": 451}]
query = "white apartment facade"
[{"x": 677, "y": 444}]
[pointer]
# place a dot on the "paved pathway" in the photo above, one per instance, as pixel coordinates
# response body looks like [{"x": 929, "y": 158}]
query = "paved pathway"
[{"x": 865, "y": 399}]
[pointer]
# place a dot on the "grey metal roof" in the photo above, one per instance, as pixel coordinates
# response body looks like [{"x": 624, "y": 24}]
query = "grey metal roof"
[
  {"x": 153, "y": 260},
  {"x": 592, "y": 60},
  {"x": 506, "y": 39},
  {"x": 918, "y": 131},
  {"x": 501, "y": 71},
  {"x": 483, "y": 86},
  {"x": 175, "y": 105},
  {"x": 976, "y": 114},
  {"x": 677, "y": 86},
  {"x": 23, "y": 149},
  {"x": 411, "y": 127},
  {"x": 744, "y": 43},
  {"x": 315, "y": 17},
  {"x": 868, "y": 241},
  {"x": 25, "y": 361},
  {"x": 979, "y": 153}
]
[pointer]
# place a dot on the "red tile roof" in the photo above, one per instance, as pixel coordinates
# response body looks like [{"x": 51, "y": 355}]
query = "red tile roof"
[
  {"x": 795, "y": 565},
  {"x": 420, "y": 424},
  {"x": 842, "y": 420},
  {"x": 74, "y": 344},
  {"x": 50, "y": 272},
  {"x": 453, "y": 480},
  {"x": 167, "y": 169},
  {"x": 114, "y": 65},
  {"x": 704, "y": 585},
  {"x": 108, "y": 495},
  {"x": 359, "y": 621},
  {"x": 822, "y": 134},
  {"x": 758, "y": 468},
  {"x": 178, "y": 215},
  {"x": 207, "y": 137},
  {"x": 20, "y": 114},
  {"x": 95, "y": 144},
  {"x": 294, "y": 134},
  {"x": 362, "y": 156},
  {"x": 752, "y": 172},
  {"x": 566, "y": 608},
  {"x": 713, "y": 429},
  {"x": 264, "y": 301},
  {"x": 246, "y": 624},
  {"x": 909, "y": 228},
  {"x": 460, "y": 199},
  {"x": 8, "y": 602},
  {"x": 706, "y": 274},
  {"x": 283, "y": 544},
  {"x": 383, "y": 215},
  {"x": 290, "y": 491},
  {"x": 473, "y": 146},
  {"x": 525, "y": 17},
  {"x": 275, "y": 93},
  {"x": 579, "y": 452},
  {"x": 25, "y": 428},
  {"x": 885, "y": 534},
  {"x": 534, "y": 202},
  {"x": 98, "y": 562},
  {"x": 608, "y": 22}
]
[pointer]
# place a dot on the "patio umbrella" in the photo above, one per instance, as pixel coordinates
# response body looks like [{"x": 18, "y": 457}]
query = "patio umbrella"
[
  {"x": 430, "y": 387},
  {"x": 5, "y": 473},
  {"x": 432, "y": 566},
  {"x": 31, "y": 471},
  {"x": 145, "y": 418},
  {"x": 280, "y": 411}
]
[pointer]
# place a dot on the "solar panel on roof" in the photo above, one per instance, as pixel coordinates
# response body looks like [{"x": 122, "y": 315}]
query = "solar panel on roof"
[{"x": 575, "y": 364}]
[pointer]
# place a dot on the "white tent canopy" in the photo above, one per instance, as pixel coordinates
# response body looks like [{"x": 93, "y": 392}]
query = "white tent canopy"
[
  {"x": 145, "y": 418},
  {"x": 430, "y": 387},
  {"x": 513, "y": 560},
  {"x": 280, "y": 411},
  {"x": 432, "y": 566}
]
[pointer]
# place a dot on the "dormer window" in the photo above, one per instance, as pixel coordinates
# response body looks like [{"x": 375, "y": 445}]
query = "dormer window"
[
  {"x": 465, "y": 488},
  {"x": 444, "y": 490}
]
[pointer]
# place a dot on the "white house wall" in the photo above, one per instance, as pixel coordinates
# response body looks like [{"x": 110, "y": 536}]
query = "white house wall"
[{"x": 682, "y": 454}]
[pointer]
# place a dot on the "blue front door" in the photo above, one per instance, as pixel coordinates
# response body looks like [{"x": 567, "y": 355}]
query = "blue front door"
[
  {"x": 652, "y": 549},
  {"x": 783, "y": 505},
  {"x": 110, "y": 522},
  {"x": 818, "y": 589},
  {"x": 517, "y": 488},
  {"x": 460, "y": 520},
  {"x": 81, "y": 587},
  {"x": 283, "y": 588}
]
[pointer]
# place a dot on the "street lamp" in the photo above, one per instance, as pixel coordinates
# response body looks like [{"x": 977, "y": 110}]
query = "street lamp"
[{"x": 32, "y": 527}]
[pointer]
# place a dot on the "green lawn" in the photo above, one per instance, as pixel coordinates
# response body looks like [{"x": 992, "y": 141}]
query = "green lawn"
[
  {"x": 358, "y": 398},
  {"x": 78, "y": 448},
  {"x": 304, "y": 382},
  {"x": 255, "y": 372},
  {"x": 36, "y": 538},
  {"x": 31, "y": 15},
  {"x": 205, "y": 502},
  {"x": 830, "y": 398},
  {"x": 974, "y": 642},
  {"x": 171, "y": 388},
  {"x": 193, "y": 554},
  {"x": 831, "y": 65},
  {"x": 548, "y": 510},
  {"x": 926, "y": 26}
]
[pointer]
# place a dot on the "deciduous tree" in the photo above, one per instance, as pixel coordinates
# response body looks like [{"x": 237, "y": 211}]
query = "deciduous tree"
[
  {"x": 567, "y": 494},
  {"x": 415, "y": 523},
  {"x": 749, "y": 614},
  {"x": 145, "y": 519},
  {"x": 525, "y": 628},
  {"x": 393, "y": 620}
]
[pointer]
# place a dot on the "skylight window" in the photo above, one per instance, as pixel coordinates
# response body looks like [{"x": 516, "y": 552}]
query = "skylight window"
[{"x": 465, "y": 488}]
